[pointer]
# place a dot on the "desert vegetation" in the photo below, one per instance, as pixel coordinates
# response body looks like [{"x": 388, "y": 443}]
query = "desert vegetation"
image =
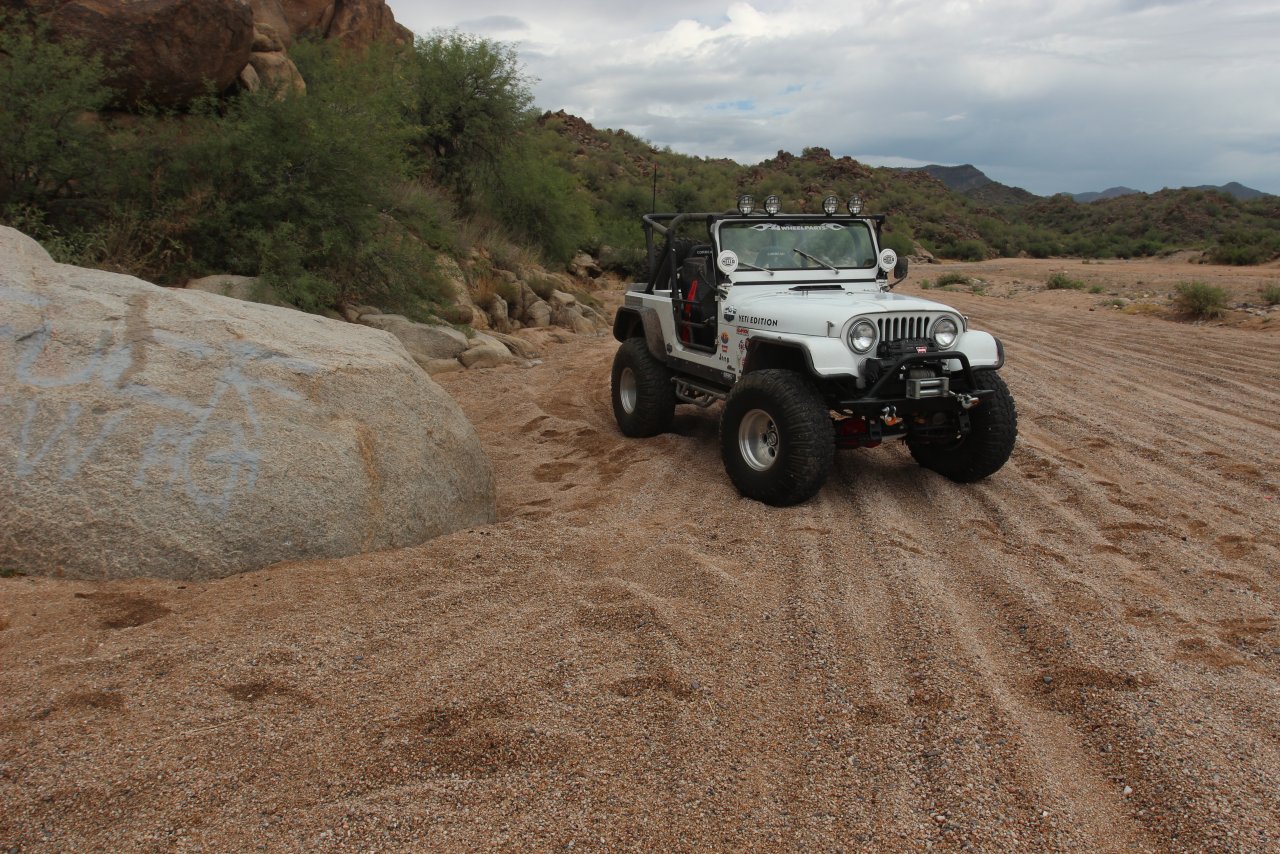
[
  {"x": 348, "y": 192},
  {"x": 1200, "y": 300},
  {"x": 1060, "y": 281}
]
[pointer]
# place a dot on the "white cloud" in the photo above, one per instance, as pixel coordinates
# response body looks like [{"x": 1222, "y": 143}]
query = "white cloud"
[{"x": 1047, "y": 95}]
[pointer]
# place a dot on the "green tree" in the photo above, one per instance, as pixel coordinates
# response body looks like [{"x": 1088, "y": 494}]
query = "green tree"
[
  {"x": 540, "y": 202},
  {"x": 471, "y": 99},
  {"x": 50, "y": 149}
]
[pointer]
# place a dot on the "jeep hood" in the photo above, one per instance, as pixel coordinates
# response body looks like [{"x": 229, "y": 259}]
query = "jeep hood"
[{"x": 810, "y": 312}]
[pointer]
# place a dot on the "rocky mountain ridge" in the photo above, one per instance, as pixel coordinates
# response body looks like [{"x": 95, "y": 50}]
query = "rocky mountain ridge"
[{"x": 969, "y": 180}]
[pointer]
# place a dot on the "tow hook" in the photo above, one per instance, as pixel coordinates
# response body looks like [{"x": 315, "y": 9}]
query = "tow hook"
[
  {"x": 889, "y": 415},
  {"x": 967, "y": 401}
]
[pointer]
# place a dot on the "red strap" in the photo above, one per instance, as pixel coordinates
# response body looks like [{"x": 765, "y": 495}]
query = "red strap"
[{"x": 685, "y": 333}]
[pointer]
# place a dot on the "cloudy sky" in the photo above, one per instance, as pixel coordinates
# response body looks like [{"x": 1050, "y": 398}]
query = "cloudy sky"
[{"x": 1049, "y": 96}]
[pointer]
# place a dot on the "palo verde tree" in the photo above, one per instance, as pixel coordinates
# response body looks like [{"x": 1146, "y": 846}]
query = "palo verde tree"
[{"x": 471, "y": 100}]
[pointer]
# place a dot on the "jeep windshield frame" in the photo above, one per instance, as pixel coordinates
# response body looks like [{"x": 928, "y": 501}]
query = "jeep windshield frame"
[
  {"x": 799, "y": 244},
  {"x": 664, "y": 233}
]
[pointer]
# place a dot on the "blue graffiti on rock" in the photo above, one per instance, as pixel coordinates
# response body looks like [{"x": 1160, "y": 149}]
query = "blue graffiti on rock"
[{"x": 206, "y": 445}]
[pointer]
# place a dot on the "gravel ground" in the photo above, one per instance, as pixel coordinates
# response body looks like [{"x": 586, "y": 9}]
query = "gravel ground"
[{"x": 1080, "y": 653}]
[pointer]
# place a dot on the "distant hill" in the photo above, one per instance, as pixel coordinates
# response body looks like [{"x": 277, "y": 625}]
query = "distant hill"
[
  {"x": 972, "y": 182},
  {"x": 1111, "y": 193},
  {"x": 962, "y": 179},
  {"x": 1235, "y": 189}
]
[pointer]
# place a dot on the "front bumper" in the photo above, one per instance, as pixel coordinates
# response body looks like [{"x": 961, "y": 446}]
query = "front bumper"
[{"x": 894, "y": 392}]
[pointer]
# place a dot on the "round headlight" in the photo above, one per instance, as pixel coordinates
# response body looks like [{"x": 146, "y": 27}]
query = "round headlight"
[
  {"x": 862, "y": 336},
  {"x": 772, "y": 205},
  {"x": 830, "y": 205},
  {"x": 746, "y": 205},
  {"x": 945, "y": 331},
  {"x": 855, "y": 205}
]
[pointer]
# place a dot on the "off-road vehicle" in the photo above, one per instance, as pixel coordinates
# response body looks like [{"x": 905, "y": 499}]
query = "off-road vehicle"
[{"x": 790, "y": 320}]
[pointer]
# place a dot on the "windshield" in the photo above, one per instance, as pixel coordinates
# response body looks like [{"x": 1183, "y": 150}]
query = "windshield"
[{"x": 784, "y": 245}]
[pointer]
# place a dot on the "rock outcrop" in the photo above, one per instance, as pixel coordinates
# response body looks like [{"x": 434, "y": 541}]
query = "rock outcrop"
[
  {"x": 163, "y": 52},
  {"x": 175, "y": 433},
  {"x": 356, "y": 23},
  {"x": 167, "y": 52}
]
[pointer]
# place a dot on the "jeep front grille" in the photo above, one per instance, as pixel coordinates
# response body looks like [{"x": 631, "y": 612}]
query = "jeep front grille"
[{"x": 896, "y": 327}]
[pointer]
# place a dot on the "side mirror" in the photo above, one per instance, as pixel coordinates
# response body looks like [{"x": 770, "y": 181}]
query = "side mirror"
[{"x": 899, "y": 271}]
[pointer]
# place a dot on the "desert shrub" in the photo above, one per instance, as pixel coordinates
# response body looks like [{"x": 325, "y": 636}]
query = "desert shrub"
[
  {"x": 1041, "y": 249},
  {"x": 925, "y": 284},
  {"x": 1096, "y": 289},
  {"x": 310, "y": 191},
  {"x": 966, "y": 250},
  {"x": 1200, "y": 300},
  {"x": 1061, "y": 281},
  {"x": 50, "y": 149},
  {"x": 508, "y": 290},
  {"x": 1271, "y": 294},
  {"x": 899, "y": 241},
  {"x": 952, "y": 279},
  {"x": 539, "y": 202},
  {"x": 543, "y": 285},
  {"x": 1245, "y": 246},
  {"x": 471, "y": 100}
]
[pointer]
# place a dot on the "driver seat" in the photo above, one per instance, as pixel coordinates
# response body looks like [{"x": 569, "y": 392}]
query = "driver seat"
[{"x": 696, "y": 312}]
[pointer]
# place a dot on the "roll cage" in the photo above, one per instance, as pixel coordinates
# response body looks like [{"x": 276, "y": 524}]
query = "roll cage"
[{"x": 671, "y": 238}]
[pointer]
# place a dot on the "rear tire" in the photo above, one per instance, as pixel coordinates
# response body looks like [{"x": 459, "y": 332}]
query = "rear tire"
[
  {"x": 644, "y": 399},
  {"x": 776, "y": 438},
  {"x": 993, "y": 430}
]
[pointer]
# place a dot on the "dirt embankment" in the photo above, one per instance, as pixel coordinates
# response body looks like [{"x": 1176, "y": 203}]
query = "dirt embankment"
[{"x": 1081, "y": 653}]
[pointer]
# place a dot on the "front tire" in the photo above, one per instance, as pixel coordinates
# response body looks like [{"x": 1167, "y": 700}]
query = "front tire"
[
  {"x": 776, "y": 438},
  {"x": 644, "y": 399},
  {"x": 993, "y": 429}
]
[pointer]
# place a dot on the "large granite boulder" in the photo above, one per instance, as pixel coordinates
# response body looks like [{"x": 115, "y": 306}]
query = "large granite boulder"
[
  {"x": 423, "y": 340},
  {"x": 159, "y": 51},
  {"x": 356, "y": 23},
  {"x": 182, "y": 434}
]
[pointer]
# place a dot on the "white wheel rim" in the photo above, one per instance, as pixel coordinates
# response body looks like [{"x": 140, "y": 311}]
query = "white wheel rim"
[
  {"x": 758, "y": 440},
  {"x": 627, "y": 394}
]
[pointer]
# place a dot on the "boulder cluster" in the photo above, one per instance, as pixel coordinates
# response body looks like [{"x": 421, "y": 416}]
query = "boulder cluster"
[
  {"x": 501, "y": 331},
  {"x": 167, "y": 52}
]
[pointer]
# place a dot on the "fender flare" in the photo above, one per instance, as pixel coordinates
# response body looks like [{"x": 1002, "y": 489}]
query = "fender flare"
[{"x": 628, "y": 320}]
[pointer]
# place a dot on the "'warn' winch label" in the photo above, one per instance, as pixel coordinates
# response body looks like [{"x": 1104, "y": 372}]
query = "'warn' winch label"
[{"x": 757, "y": 321}]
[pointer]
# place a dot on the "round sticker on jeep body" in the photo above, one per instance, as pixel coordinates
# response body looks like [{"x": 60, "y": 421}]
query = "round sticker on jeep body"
[{"x": 727, "y": 261}]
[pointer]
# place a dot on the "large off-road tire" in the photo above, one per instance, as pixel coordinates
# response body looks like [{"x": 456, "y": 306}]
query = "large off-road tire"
[
  {"x": 776, "y": 438},
  {"x": 993, "y": 430},
  {"x": 644, "y": 399}
]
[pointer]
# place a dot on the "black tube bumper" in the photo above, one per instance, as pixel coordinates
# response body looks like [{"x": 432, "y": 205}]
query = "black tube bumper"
[{"x": 875, "y": 400}]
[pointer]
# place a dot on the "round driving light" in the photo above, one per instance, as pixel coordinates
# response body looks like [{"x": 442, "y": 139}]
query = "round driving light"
[
  {"x": 855, "y": 205},
  {"x": 862, "y": 336},
  {"x": 830, "y": 205},
  {"x": 746, "y": 204},
  {"x": 772, "y": 205},
  {"x": 888, "y": 259},
  {"x": 945, "y": 331}
]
